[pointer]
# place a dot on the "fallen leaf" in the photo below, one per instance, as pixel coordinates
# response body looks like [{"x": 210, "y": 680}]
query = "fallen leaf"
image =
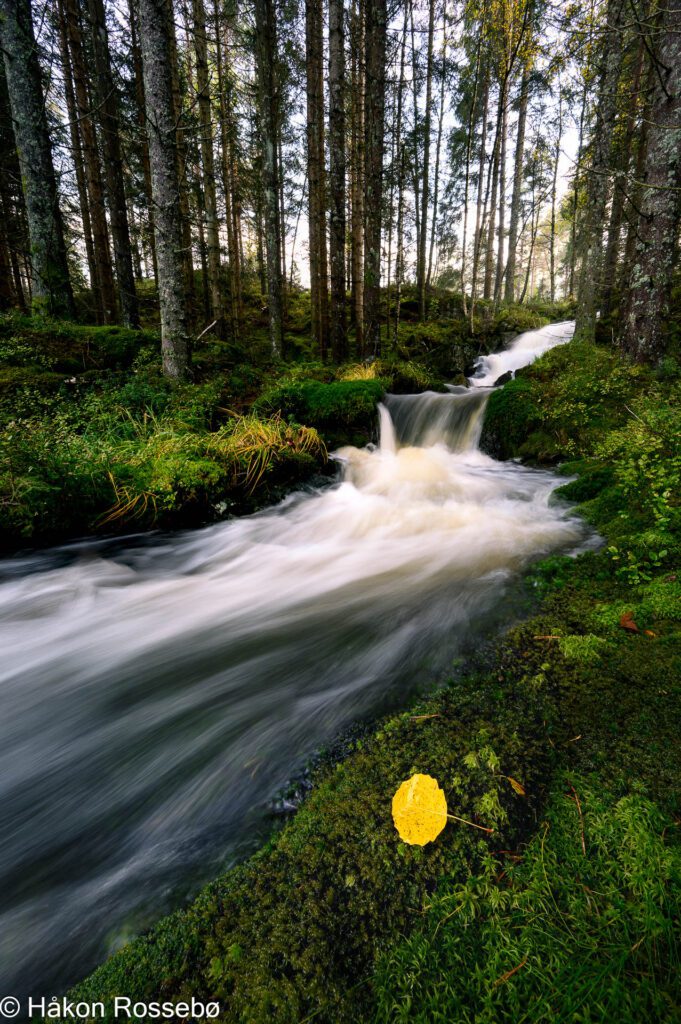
[
  {"x": 627, "y": 622},
  {"x": 649, "y": 632},
  {"x": 419, "y": 810},
  {"x": 520, "y": 790}
]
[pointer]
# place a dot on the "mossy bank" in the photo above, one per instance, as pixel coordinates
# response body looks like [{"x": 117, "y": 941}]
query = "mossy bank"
[
  {"x": 94, "y": 441},
  {"x": 337, "y": 920}
]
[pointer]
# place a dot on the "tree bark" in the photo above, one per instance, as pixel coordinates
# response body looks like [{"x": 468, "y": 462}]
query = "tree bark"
[
  {"x": 266, "y": 63},
  {"x": 162, "y": 126},
  {"x": 181, "y": 159},
  {"x": 643, "y": 335},
  {"x": 590, "y": 280},
  {"x": 228, "y": 134},
  {"x": 499, "y": 276},
  {"x": 208, "y": 165},
  {"x": 376, "y": 25},
  {"x": 50, "y": 282},
  {"x": 357, "y": 102},
  {"x": 554, "y": 197},
  {"x": 514, "y": 222},
  {"x": 316, "y": 175},
  {"x": 491, "y": 226},
  {"x": 78, "y": 163},
  {"x": 107, "y": 103},
  {"x": 142, "y": 124},
  {"x": 425, "y": 185},
  {"x": 438, "y": 151},
  {"x": 339, "y": 345},
  {"x": 104, "y": 279},
  {"x": 477, "y": 240}
]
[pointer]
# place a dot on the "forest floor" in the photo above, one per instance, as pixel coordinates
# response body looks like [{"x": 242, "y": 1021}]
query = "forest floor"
[
  {"x": 94, "y": 441},
  {"x": 570, "y": 909}
]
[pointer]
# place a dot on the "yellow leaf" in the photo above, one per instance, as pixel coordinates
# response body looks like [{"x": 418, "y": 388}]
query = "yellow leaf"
[
  {"x": 419, "y": 810},
  {"x": 520, "y": 790}
]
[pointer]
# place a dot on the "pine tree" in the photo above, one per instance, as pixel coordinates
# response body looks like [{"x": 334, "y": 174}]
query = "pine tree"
[{"x": 162, "y": 127}]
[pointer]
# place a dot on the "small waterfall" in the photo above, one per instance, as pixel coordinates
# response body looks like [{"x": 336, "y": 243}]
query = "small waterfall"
[
  {"x": 523, "y": 351},
  {"x": 386, "y": 431},
  {"x": 453, "y": 419}
]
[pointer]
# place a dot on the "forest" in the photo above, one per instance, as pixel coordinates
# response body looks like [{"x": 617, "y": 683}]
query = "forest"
[{"x": 340, "y": 407}]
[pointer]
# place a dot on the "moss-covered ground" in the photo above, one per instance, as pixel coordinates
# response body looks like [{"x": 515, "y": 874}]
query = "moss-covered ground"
[
  {"x": 93, "y": 440},
  {"x": 570, "y": 910}
]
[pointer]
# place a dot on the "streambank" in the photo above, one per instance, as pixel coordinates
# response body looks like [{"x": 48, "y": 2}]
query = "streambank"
[
  {"x": 94, "y": 442},
  {"x": 320, "y": 922}
]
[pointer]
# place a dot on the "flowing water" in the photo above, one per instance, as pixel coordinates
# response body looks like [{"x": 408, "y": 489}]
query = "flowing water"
[{"x": 154, "y": 698}]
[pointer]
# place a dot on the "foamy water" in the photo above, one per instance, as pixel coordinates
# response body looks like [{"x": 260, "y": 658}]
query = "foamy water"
[{"x": 154, "y": 699}]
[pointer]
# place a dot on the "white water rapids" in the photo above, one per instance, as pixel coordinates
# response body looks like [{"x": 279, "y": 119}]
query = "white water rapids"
[{"x": 154, "y": 698}]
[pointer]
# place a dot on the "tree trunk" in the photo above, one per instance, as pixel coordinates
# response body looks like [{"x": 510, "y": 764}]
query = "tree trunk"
[
  {"x": 438, "y": 149},
  {"x": 590, "y": 281},
  {"x": 554, "y": 197},
  {"x": 266, "y": 63},
  {"x": 376, "y": 25},
  {"x": 357, "y": 101},
  {"x": 142, "y": 124},
  {"x": 491, "y": 227},
  {"x": 643, "y": 335},
  {"x": 477, "y": 241},
  {"x": 499, "y": 276},
  {"x": 162, "y": 127},
  {"x": 77, "y": 151},
  {"x": 100, "y": 232},
  {"x": 208, "y": 165},
  {"x": 181, "y": 160},
  {"x": 107, "y": 103},
  {"x": 621, "y": 187},
  {"x": 50, "y": 283},
  {"x": 425, "y": 186},
  {"x": 316, "y": 177},
  {"x": 472, "y": 118},
  {"x": 509, "y": 290},
  {"x": 228, "y": 134},
  {"x": 339, "y": 345}
]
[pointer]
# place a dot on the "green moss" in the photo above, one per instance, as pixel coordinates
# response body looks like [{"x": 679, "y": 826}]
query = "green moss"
[
  {"x": 582, "y": 925},
  {"x": 343, "y": 411}
]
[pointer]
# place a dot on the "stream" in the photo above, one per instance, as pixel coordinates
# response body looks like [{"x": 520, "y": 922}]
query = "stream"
[{"x": 155, "y": 696}]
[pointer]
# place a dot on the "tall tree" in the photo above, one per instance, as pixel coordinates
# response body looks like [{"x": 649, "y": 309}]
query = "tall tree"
[
  {"x": 266, "y": 66},
  {"x": 339, "y": 345},
  {"x": 316, "y": 174},
  {"x": 357, "y": 169},
  {"x": 103, "y": 281},
  {"x": 516, "y": 194},
  {"x": 228, "y": 133},
  {"x": 593, "y": 221},
  {"x": 375, "y": 43},
  {"x": 421, "y": 269},
  {"x": 162, "y": 127},
  {"x": 107, "y": 105},
  {"x": 660, "y": 215},
  {"x": 208, "y": 165},
  {"x": 50, "y": 283}
]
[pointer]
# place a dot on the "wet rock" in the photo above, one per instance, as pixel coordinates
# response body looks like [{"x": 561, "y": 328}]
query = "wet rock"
[{"x": 504, "y": 379}]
